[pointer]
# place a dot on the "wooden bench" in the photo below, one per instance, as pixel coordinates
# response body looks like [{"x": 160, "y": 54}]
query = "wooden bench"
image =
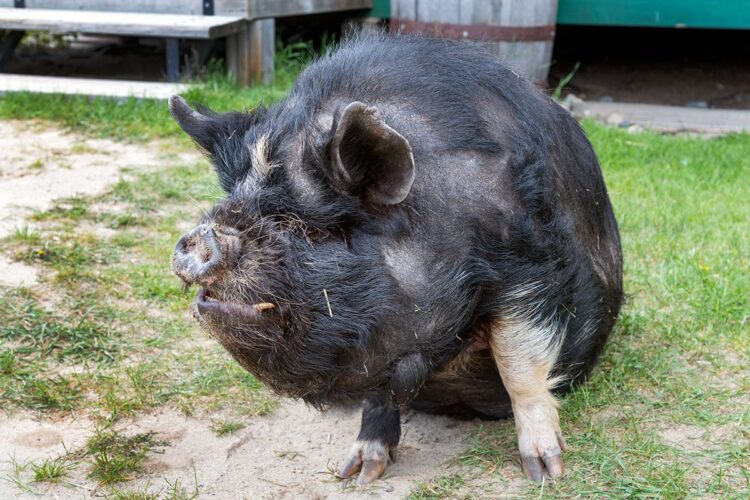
[
  {"x": 172, "y": 27},
  {"x": 247, "y": 25}
]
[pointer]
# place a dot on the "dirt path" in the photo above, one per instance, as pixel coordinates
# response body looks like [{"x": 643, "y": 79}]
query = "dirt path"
[
  {"x": 287, "y": 454},
  {"x": 42, "y": 164}
]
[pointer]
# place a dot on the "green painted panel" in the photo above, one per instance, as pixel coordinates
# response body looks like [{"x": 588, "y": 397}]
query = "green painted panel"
[
  {"x": 730, "y": 14},
  {"x": 380, "y": 8}
]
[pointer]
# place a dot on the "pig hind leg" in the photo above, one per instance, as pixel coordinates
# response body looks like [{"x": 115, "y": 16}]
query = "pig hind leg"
[{"x": 525, "y": 351}]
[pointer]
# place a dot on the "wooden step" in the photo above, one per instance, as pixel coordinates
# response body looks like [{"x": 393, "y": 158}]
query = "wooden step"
[
  {"x": 89, "y": 86},
  {"x": 121, "y": 23}
]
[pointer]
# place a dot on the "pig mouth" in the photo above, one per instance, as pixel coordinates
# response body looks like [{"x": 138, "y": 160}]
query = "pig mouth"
[{"x": 206, "y": 303}]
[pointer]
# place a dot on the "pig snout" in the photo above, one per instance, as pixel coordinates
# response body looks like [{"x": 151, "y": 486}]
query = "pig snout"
[{"x": 202, "y": 254}]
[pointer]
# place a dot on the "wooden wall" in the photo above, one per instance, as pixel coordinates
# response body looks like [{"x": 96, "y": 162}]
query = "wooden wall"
[{"x": 523, "y": 20}]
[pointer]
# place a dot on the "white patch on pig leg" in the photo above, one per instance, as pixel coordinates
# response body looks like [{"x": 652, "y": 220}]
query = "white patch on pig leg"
[
  {"x": 369, "y": 458},
  {"x": 525, "y": 351}
]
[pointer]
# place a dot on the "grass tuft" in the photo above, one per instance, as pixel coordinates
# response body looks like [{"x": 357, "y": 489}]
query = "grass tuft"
[
  {"x": 115, "y": 457},
  {"x": 77, "y": 336},
  {"x": 52, "y": 470},
  {"x": 226, "y": 427},
  {"x": 440, "y": 487}
]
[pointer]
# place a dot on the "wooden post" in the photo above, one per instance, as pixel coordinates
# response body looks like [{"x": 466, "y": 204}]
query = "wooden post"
[
  {"x": 237, "y": 56},
  {"x": 262, "y": 41},
  {"x": 173, "y": 59},
  {"x": 250, "y": 52}
]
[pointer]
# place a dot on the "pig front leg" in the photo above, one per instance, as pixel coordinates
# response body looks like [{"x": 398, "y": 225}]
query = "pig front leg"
[
  {"x": 525, "y": 352},
  {"x": 376, "y": 443}
]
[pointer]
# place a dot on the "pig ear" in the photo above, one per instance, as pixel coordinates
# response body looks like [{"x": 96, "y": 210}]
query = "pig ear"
[
  {"x": 201, "y": 128},
  {"x": 370, "y": 158}
]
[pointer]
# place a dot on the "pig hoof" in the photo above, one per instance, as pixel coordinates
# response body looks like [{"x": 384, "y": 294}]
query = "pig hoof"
[
  {"x": 543, "y": 453},
  {"x": 370, "y": 459}
]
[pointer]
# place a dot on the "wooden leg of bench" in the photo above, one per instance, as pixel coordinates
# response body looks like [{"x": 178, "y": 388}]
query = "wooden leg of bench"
[
  {"x": 9, "y": 43},
  {"x": 262, "y": 41},
  {"x": 237, "y": 56},
  {"x": 250, "y": 52},
  {"x": 173, "y": 59}
]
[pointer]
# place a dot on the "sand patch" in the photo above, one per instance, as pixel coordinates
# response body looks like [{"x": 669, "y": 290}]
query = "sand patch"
[
  {"x": 15, "y": 274},
  {"x": 26, "y": 438},
  {"x": 291, "y": 453},
  {"x": 686, "y": 437},
  {"x": 288, "y": 454},
  {"x": 42, "y": 164}
]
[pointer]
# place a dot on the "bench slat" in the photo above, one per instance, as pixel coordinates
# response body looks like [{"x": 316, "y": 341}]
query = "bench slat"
[
  {"x": 277, "y": 8},
  {"x": 121, "y": 23}
]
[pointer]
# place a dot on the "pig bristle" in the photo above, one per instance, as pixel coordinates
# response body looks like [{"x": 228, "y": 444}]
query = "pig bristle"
[{"x": 259, "y": 156}]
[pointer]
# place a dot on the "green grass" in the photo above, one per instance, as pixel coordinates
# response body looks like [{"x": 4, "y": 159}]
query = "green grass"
[
  {"x": 113, "y": 336},
  {"x": 115, "y": 457},
  {"x": 147, "y": 119},
  {"x": 52, "y": 470},
  {"x": 226, "y": 427},
  {"x": 106, "y": 334},
  {"x": 439, "y": 487},
  {"x": 172, "y": 490},
  {"x": 109, "y": 333},
  {"x": 81, "y": 334}
]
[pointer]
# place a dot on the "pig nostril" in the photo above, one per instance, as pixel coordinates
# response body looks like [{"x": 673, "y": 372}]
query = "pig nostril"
[
  {"x": 195, "y": 248},
  {"x": 198, "y": 255}
]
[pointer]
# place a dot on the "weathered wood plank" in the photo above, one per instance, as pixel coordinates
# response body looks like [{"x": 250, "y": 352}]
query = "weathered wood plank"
[
  {"x": 238, "y": 56},
  {"x": 232, "y": 59},
  {"x": 249, "y": 8},
  {"x": 276, "y": 8},
  {"x": 191, "y": 7},
  {"x": 250, "y": 52},
  {"x": 88, "y": 86},
  {"x": 232, "y": 7},
  {"x": 120, "y": 23},
  {"x": 262, "y": 40},
  {"x": 403, "y": 9}
]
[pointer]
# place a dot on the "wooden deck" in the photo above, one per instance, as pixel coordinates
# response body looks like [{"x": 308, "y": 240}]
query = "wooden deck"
[{"x": 248, "y": 27}]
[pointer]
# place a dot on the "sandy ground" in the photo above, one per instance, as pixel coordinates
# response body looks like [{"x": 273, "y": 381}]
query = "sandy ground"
[
  {"x": 43, "y": 164},
  {"x": 288, "y": 454}
]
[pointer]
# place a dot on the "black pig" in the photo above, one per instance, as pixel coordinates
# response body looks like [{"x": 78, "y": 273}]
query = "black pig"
[{"x": 415, "y": 224}]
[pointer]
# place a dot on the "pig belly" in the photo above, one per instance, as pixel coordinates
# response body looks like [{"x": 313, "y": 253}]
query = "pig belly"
[{"x": 466, "y": 388}]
